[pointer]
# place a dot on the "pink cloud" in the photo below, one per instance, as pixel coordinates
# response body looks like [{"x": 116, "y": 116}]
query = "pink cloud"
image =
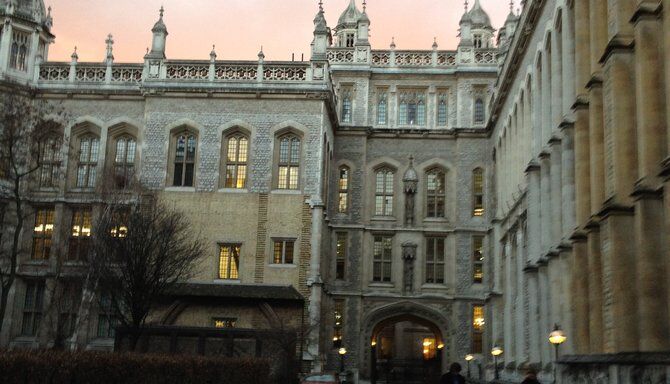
[{"x": 240, "y": 27}]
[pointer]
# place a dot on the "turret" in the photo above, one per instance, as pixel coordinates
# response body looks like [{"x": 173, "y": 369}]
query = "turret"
[
  {"x": 158, "y": 43},
  {"x": 363, "y": 27},
  {"x": 322, "y": 36},
  {"x": 476, "y": 29},
  {"x": 347, "y": 29}
]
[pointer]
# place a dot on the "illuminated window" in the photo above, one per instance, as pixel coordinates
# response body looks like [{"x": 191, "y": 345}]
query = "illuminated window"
[
  {"x": 338, "y": 322},
  {"x": 224, "y": 322},
  {"x": 237, "y": 154},
  {"x": 384, "y": 192},
  {"x": 80, "y": 235},
  {"x": 44, "y": 227},
  {"x": 120, "y": 218},
  {"x": 50, "y": 160},
  {"x": 87, "y": 167},
  {"x": 289, "y": 162},
  {"x": 382, "y": 110},
  {"x": 478, "y": 192},
  {"x": 32, "y": 307},
  {"x": 283, "y": 252},
  {"x": 343, "y": 190},
  {"x": 185, "y": 146},
  {"x": 341, "y": 261},
  {"x": 478, "y": 259},
  {"x": 478, "y": 324},
  {"x": 412, "y": 109},
  {"x": 429, "y": 348},
  {"x": 107, "y": 318},
  {"x": 229, "y": 261},
  {"x": 479, "y": 111},
  {"x": 124, "y": 161},
  {"x": 442, "y": 110},
  {"x": 347, "y": 107},
  {"x": 435, "y": 250},
  {"x": 382, "y": 259},
  {"x": 435, "y": 193}
]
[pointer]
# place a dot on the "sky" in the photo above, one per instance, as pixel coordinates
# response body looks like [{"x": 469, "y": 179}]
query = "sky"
[{"x": 239, "y": 28}]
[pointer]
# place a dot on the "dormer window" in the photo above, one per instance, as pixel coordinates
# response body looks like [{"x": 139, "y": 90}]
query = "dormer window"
[{"x": 350, "y": 40}]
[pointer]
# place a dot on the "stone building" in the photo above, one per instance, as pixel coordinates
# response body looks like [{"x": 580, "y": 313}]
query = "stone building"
[{"x": 411, "y": 207}]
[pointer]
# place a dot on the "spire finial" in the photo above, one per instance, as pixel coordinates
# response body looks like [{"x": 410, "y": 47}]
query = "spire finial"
[
  {"x": 365, "y": 5},
  {"x": 162, "y": 10},
  {"x": 393, "y": 42},
  {"x": 74, "y": 55},
  {"x": 511, "y": 6},
  {"x": 320, "y": 5},
  {"x": 466, "y": 5},
  {"x": 110, "y": 46},
  {"x": 212, "y": 55},
  {"x": 435, "y": 42}
]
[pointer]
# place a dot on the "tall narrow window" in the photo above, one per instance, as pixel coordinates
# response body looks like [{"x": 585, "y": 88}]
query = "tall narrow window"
[
  {"x": 14, "y": 56},
  {"x": 184, "y": 159},
  {"x": 44, "y": 228},
  {"x": 80, "y": 235},
  {"x": 107, "y": 317},
  {"x": 412, "y": 109},
  {"x": 442, "y": 110},
  {"x": 479, "y": 111},
  {"x": 120, "y": 219},
  {"x": 435, "y": 191},
  {"x": 237, "y": 153},
  {"x": 32, "y": 307},
  {"x": 87, "y": 167},
  {"x": 289, "y": 161},
  {"x": 382, "y": 110},
  {"x": 478, "y": 323},
  {"x": 346, "y": 106},
  {"x": 124, "y": 161},
  {"x": 478, "y": 192},
  {"x": 229, "y": 261},
  {"x": 343, "y": 190},
  {"x": 341, "y": 260},
  {"x": 283, "y": 252},
  {"x": 435, "y": 250},
  {"x": 68, "y": 307},
  {"x": 19, "y": 51},
  {"x": 478, "y": 259},
  {"x": 384, "y": 192},
  {"x": 350, "y": 40},
  {"x": 50, "y": 160},
  {"x": 477, "y": 41},
  {"x": 382, "y": 259},
  {"x": 338, "y": 322}
]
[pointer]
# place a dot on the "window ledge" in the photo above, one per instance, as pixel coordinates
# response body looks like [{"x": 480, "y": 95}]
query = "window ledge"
[
  {"x": 436, "y": 220},
  {"x": 227, "y": 281},
  {"x": 280, "y": 266},
  {"x": 286, "y": 192},
  {"x": 384, "y": 218},
  {"x": 36, "y": 262},
  {"x": 233, "y": 190},
  {"x": 81, "y": 190},
  {"x": 434, "y": 286},
  {"x": 179, "y": 189},
  {"x": 377, "y": 284},
  {"x": 75, "y": 263}
]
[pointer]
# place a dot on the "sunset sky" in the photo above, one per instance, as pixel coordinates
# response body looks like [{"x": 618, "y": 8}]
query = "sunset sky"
[{"x": 240, "y": 27}]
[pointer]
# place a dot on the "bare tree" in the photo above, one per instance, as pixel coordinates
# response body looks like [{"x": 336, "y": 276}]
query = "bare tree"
[
  {"x": 142, "y": 247},
  {"x": 28, "y": 131}
]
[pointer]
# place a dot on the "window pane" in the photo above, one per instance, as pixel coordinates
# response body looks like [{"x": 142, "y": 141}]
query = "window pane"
[
  {"x": 283, "y": 178},
  {"x": 294, "y": 178},
  {"x": 232, "y": 149},
  {"x": 178, "y": 174},
  {"x": 277, "y": 252},
  {"x": 190, "y": 155},
  {"x": 288, "y": 253},
  {"x": 180, "y": 150},
  {"x": 130, "y": 153},
  {"x": 188, "y": 177},
  {"x": 244, "y": 149},
  {"x": 295, "y": 151},
  {"x": 120, "y": 151},
  {"x": 283, "y": 150},
  {"x": 241, "y": 176}
]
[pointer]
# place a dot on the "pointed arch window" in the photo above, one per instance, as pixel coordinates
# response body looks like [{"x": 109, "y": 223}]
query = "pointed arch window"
[
  {"x": 384, "y": 192},
  {"x": 478, "y": 192},
  {"x": 19, "y": 51},
  {"x": 442, "y": 111},
  {"x": 185, "y": 144},
  {"x": 382, "y": 110},
  {"x": 289, "y": 162},
  {"x": 435, "y": 193},
  {"x": 124, "y": 161},
  {"x": 236, "y": 155},
  {"x": 343, "y": 189},
  {"x": 87, "y": 167},
  {"x": 347, "y": 107},
  {"x": 479, "y": 111},
  {"x": 50, "y": 161}
]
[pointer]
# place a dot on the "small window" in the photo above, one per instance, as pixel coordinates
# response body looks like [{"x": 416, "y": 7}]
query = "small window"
[
  {"x": 68, "y": 307},
  {"x": 289, "y": 162},
  {"x": 478, "y": 259},
  {"x": 478, "y": 192},
  {"x": 124, "y": 161},
  {"x": 442, "y": 111},
  {"x": 107, "y": 318},
  {"x": 80, "y": 235},
  {"x": 350, "y": 40},
  {"x": 346, "y": 106},
  {"x": 87, "y": 167},
  {"x": 343, "y": 190},
  {"x": 338, "y": 322},
  {"x": 384, "y": 192},
  {"x": 435, "y": 250},
  {"x": 382, "y": 259},
  {"x": 42, "y": 233},
  {"x": 382, "y": 110},
  {"x": 229, "y": 261},
  {"x": 435, "y": 193},
  {"x": 478, "y": 41},
  {"x": 479, "y": 111},
  {"x": 185, "y": 145},
  {"x": 283, "y": 252},
  {"x": 224, "y": 322},
  {"x": 237, "y": 154},
  {"x": 50, "y": 161},
  {"x": 478, "y": 323},
  {"x": 32, "y": 308},
  {"x": 341, "y": 260}
]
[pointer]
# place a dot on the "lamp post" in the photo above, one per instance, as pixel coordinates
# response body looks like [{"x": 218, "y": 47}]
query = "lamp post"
[
  {"x": 468, "y": 359},
  {"x": 557, "y": 337},
  {"x": 342, "y": 351},
  {"x": 496, "y": 351}
]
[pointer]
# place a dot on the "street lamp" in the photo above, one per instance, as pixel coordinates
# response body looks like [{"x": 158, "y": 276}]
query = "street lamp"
[
  {"x": 468, "y": 359},
  {"x": 342, "y": 351},
  {"x": 496, "y": 351},
  {"x": 557, "y": 337}
]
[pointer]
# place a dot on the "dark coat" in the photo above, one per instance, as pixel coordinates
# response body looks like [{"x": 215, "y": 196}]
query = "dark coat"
[{"x": 452, "y": 378}]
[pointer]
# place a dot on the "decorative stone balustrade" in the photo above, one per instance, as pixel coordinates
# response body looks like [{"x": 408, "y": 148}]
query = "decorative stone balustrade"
[{"x": 416, "y": 59}]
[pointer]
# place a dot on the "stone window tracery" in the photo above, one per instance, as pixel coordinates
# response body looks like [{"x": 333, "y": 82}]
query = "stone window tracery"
[
  {"x": 87, "y": 167},
  {"x": 435, "y": 193},
  {"x": 382, "y": 259},
  {"x": 289, "y": 162},
  {"x": 347, "y": 106},
  {"x": 19, "y": 51},
  {"x": 435, "y": 255},
  {"x": 384, "y": 183},
  {"x": 412, "y": 109},
  {"x": 382, "y": 109},
  {"x": 50, "y": 161},
  {"x": 480, "y": 114},
  {"x": 185, "y": 147},
  {"x": 343, "y": 190},
  {"x": 236, "y": 158},
  {"x": 442, "y": 110},
  {"x": 124, "y": 161}
]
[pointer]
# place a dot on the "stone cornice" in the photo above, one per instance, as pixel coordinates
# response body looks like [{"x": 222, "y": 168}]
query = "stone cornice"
[
  {"x": 618, "y": 44},
  {"x": 595, "y": 81},
  {"x": 578, "y": 236},
  {"x": 566, "y": 124},
  {"x": 647, "y": 11},
  {"x": 533, "y": 167},
  {"x": 665, "y": 172},
  {"x": 611, "y": 208},
  {"x": 581, "y": 102},
  {"x": 645, "y": 192},
  {"x": 593, "y": 225}
]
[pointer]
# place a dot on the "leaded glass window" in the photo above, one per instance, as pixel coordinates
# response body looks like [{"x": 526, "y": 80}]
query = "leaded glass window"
[
  {"x": 382, "y": 110},
  {"x": 124, "y": 161},
  {"x": 283, "y": 251},
  {"x": 32, "y": 308},
  {"x": 80, "y": 235},
  {"x": 478, "y": 192},
  {"x": 478, "y": 259},
  {"x": 341, "y": 259},
  {"x": 185, "y": 145},
  {"x": 50, "y": 161},
  {"x": 479, "y": 111},
  {"x": 87, "y": 167},
  {"x": 384, "y": 192},
  {"x": 412, "y": 109},
  {"x": 343, "y": 190},
  {"x": 435, "y": 249},
  {"x": 347, "y": 106},
  {"x": 289, "y": 162},
  {"x": 442, "y": 110},
  {"x": 237, "y": 155},
  {"x": 42, "y": 233},
  {"x": 435, "y": 193},
  {"x": 382, "y": 259},
  {"x": 229, "y": 261}
]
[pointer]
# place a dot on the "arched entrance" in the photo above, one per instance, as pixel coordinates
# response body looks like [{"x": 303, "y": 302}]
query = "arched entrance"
[{"x": 404, "y": 344}]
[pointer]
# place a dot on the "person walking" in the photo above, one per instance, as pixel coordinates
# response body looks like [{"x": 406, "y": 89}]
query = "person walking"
[
  {"x": 453, "y": 376},
  {"x": 531, "y": 377}
]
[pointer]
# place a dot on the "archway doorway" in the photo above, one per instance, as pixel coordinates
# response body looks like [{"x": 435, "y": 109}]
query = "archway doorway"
[{"x": 406, "y": 349}]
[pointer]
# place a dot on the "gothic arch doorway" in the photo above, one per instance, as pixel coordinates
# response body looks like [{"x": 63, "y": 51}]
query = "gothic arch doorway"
[{"x": 405, "y": 343}]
